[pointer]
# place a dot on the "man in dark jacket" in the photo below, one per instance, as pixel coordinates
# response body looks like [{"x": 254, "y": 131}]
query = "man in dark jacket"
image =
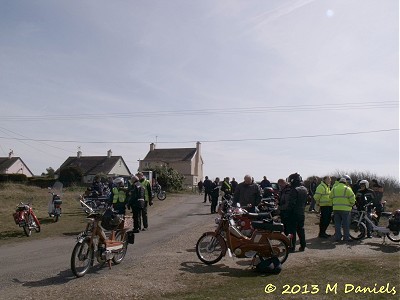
[
  {"x": 136, "y": 202},
  {"x": 207, "y": 189},
  {"x": 214, "y": 195},
  {"x": 248, "y": 194},
  {"x": 296, "y": 204}
]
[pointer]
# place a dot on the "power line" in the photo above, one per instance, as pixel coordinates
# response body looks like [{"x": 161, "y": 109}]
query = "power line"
[
  {"x": 206, "y": 141},
  {"x": 213, "y": 111}
]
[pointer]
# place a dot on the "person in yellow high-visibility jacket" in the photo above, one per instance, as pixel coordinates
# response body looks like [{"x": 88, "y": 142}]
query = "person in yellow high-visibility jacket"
[
  {"x": 322, "y": 198},
  {"x": 343, "y": 199},
  {"x": 118, "y": 195}
]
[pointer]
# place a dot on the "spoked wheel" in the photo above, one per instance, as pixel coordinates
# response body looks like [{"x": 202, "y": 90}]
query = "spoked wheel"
[
  {"x": 279, "y": 249},
  {"x": 394, "y": 236},
  {"x": 27, "y": 230},
  {"x": 34, "y": 223},
  {"x": 81, "y": 258},
  {"x": 162, "y": 195},
  {"x": 357, "y": 230},
  {"x": 210, "y": 248},
  {"x": 121, "y": 237}
]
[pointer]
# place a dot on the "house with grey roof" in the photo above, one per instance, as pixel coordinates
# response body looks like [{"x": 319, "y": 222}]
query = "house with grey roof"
[
  {"x": 14, "y": 165},
  {"x": 108, "y": 165},
  {"x": 186, "y": 161}
]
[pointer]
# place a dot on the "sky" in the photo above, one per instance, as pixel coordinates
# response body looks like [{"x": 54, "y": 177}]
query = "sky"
[{"x": 269, "y": 88}]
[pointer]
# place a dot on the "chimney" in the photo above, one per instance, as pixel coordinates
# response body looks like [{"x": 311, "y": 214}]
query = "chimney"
[
  {"x": 197, "y": 159},
  {"x": 10, "y": 154},
  {"x": 109, "y": 153},
  {"x": 152, "y": 146},
  {"x": 79, "y": 154}
]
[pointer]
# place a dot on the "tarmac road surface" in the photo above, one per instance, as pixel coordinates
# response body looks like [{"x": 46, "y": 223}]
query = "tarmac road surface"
[{"x": 42, "y": 263}]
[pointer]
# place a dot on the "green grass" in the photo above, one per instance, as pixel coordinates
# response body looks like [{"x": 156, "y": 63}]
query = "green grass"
[
  {"x": 72, "y": 220},
  {"x": 325, "y": 279}
]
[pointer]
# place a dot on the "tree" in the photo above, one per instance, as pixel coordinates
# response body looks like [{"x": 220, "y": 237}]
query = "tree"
[
  {"x": 70, "y": 175},
  {"x": 50, "y": 172},
  {"x": 168, "y": 178}
]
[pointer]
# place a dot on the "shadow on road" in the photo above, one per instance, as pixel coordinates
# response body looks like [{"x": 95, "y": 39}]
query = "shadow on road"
[{"x": 62, "y": 278}]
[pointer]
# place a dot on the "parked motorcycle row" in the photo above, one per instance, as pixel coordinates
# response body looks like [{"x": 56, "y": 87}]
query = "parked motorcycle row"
[{"x": 25, "y": 217}]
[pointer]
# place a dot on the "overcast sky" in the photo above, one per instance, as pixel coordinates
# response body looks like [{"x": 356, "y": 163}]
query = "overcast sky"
[{"x": 268, "y": 87}]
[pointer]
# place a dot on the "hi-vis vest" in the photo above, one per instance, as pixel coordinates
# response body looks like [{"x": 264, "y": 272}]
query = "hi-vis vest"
[
  {"x": 118, "y": 195},
  {"x": 321, "y": 195},
  {"x": 145, "y": 183},
  {"x": 228, "y": 187},
  {"x": 342, "y": 197}
]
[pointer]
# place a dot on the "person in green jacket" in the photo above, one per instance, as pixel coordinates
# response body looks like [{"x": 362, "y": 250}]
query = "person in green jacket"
[
  {"x": 148, "y": 199},
  {"x": 343, "y": 200},
  {"x": 323, "y": 200}
]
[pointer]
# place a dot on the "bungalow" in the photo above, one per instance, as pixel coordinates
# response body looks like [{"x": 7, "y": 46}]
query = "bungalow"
[
  {"x": 14, "y": 165},
  {"x": 109, "y": 165}
]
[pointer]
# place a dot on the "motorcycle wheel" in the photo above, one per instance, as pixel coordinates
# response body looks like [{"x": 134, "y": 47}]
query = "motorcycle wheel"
[
  {"x": 27, "y": 230},
  {"x": 118, "y": 257},
  {"x": 162, "y": 195},
  {"x": 357, "y": 230},
  {"x": 210, "y": 248},
  {"x": 394, "y": 236},
  {"x": 34, "y": 223},
  {"x": 82, "y": 257},
  {"x": 279, "y": 249},
  {"x": 56, "y": 218}
]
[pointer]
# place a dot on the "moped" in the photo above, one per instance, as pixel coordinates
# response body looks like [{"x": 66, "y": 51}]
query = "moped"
[
  {"x": 266, "y": 241},
  {"x": 54, "y": 205},
  {"x": 358, "y": 227},
  {"x": 94, "y": 243},
  {"x": 25, "y": 217},
  {"x": 158, "y": 192}
]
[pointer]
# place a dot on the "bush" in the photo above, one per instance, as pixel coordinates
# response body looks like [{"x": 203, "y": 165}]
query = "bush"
[
  {"x": 17, "y": 178},
  {"x": 170, "y": 179}
]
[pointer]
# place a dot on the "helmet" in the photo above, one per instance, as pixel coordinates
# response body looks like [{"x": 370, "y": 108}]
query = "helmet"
[
  {"x": 110, "y": 220},
  {"x": 118, "y": 181},
  {"x": 295, "y": 178},
  {"x": 348, "y": 179},
  {"x": 364, "y": 182}
]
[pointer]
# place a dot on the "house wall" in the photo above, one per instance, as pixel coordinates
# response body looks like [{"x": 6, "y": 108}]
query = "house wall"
[
  {"x": 119, "y": 169},
  {"x": 19, "y": 168}
]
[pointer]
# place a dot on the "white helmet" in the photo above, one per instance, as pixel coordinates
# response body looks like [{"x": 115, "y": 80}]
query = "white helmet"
[
  {"x": 364, "y": 182},
  {"x": 118, "y": 181}
]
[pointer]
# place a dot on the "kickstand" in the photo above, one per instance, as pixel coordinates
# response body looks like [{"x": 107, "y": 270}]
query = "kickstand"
[{"x": 109, "y": 263}]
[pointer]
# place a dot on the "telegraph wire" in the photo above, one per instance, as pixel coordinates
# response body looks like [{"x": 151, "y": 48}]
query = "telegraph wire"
[
  {"x": 206, "y": 141},
  {"x": 212, "y": 111}
]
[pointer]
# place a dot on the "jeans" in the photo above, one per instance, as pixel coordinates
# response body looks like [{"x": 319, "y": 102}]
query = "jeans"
[{"x": 342, "y": 220}]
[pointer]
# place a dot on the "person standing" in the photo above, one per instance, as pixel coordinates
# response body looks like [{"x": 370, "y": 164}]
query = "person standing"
[
  {"x": 378, "y": 202},
  {"x": 313, "y": 188},
  {"x": 323, "y": 200},
  {"x": 214, "y": 195},
  {"x": 200, "y": 187},
  {"x": 297, "y": 203},
  {"x": 118, "y": 195},
  {"x": 226, "y": 188},
  {"x": 136, "y": 202},
  {"x": 248, "y": 194},
  {"x": 365, "y": 196},
  {"x": 265, "y": 183},
  {"x": 284, "y": 191},
  {"x": 234, "y": 184},
  {"x": 207, "y": 189},
  {"x": 148, "y": 200},
  {"x": 343, "y": 200}
]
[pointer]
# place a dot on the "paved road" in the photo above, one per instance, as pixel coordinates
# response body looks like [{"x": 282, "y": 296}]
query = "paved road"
[{"x": 37, "y": 263}]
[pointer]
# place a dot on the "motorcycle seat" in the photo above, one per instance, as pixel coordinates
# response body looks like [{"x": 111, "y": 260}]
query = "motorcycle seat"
[
  {"x": 257, "y": 216},
  {"x": 270, "y": 226}
]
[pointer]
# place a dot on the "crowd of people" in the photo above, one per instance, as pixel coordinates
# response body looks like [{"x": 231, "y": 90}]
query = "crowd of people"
[
  {"x": 134, "y": 194},
  {"x": 329, "y": 197}
]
